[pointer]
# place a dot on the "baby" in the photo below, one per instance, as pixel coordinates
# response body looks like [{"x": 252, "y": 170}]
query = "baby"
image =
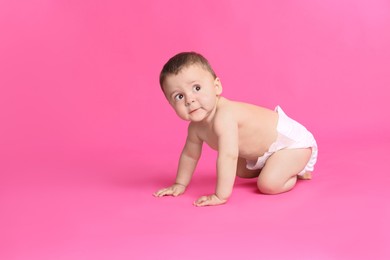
[{"x": 251, "y": 141}]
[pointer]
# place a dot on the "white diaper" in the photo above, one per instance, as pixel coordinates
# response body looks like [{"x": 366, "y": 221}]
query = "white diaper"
[{"x": 291, "y": 135}]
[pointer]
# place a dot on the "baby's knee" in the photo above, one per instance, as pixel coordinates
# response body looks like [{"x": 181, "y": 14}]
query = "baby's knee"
[
  {"x": 275, "y": 186},
  {"x": 268, "y": 187}
]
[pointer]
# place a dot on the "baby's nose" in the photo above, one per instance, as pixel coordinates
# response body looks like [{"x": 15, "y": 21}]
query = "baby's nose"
[{"x": 189, "y": 100}]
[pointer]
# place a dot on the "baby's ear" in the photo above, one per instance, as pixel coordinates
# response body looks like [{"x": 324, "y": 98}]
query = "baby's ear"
[{"x": 218, "y": 86}]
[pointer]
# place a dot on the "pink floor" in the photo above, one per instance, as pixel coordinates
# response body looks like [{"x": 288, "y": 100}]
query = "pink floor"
[
  {"x": 101, "y": 207},
  {"x": 86, "y": 135}
]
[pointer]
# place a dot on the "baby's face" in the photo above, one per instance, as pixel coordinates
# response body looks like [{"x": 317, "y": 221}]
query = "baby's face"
[{"x": 192, "y": 93}]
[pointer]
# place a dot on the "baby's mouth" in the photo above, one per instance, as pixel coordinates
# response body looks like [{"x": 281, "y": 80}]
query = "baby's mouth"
[{"x": 192, "y": 111}]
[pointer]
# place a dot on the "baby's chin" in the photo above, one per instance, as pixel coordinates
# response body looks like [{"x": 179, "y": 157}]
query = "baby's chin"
[
  {"x": 193, "y": 119},
  {"x": 198, "y": 116}
]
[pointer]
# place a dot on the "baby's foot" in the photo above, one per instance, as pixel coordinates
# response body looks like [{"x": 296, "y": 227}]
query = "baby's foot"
[{"x": 305, "y": 176}]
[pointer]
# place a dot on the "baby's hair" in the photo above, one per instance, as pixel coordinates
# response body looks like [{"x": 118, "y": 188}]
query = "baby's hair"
[{"x": 182, "y": 60}]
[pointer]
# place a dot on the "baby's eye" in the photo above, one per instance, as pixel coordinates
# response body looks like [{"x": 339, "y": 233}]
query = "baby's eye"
[
  {"x": 196, "y": 88},
  {"x": 179, "y": 97}
]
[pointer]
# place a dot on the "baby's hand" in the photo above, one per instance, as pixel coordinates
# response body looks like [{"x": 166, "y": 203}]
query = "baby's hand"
[
  {"x": 211, "y": 200},
  {"x": 174, "y": 190}
]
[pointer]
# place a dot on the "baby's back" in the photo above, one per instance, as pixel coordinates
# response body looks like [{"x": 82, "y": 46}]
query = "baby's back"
[{"x": 256, "y": 127}]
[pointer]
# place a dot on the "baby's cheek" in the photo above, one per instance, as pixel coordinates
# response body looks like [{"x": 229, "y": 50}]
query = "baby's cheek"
[{"x": 182, "y": 115}]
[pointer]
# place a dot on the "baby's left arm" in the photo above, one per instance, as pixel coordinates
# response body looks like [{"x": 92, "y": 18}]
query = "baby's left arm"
[{"x": 226, "y": 129}]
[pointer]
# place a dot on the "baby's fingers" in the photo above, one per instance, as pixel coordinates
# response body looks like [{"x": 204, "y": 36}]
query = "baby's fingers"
[
  {"x": 202, "y": 201},
  {"x": 211, "y": 200},
  {"x": 163, "y": 192}
]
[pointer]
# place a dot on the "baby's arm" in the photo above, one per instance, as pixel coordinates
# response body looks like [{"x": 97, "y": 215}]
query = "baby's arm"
[
  {"x": 226, "y": 129},
  {"x": 187, "y": 164}
]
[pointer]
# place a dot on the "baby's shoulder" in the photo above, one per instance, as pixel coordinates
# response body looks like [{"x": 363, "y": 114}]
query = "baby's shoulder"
[
  {"x": 243, "y": 113},
  {"x": 226, "y": 116},
  {"x": 195, "y": 132},
  {"x": 239, "y": 109},
  {"x": 225, "y": 108}
]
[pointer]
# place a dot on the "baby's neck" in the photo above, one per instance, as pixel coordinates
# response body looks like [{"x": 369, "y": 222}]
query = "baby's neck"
[{"x": 209, "y": 120}]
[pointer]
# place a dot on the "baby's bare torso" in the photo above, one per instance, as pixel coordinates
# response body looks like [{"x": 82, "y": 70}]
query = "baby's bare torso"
[{"x": 256, "y": 128}]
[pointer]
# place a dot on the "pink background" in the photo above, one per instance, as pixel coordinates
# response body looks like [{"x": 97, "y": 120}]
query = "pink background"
[{"x": 86, "y": 136}]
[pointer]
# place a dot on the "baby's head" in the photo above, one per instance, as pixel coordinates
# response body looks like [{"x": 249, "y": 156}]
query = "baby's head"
[
  {"x": 183, "y": 60},
  {"x": 190, "y": 86}
]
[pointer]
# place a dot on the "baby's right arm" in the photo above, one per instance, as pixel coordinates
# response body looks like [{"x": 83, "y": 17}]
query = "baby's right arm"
[{"x": 188, "y": 160}]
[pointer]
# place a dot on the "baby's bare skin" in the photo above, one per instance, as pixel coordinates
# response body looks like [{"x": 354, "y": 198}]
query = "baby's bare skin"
[
  {"x": 256, "y": 127},
  {"x": 238, "y": 131}
]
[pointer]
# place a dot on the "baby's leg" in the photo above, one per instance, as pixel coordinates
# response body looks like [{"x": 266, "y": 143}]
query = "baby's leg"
[
  {"x": 279, "y": 173},
  {"x": 244, "y": 172}
]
